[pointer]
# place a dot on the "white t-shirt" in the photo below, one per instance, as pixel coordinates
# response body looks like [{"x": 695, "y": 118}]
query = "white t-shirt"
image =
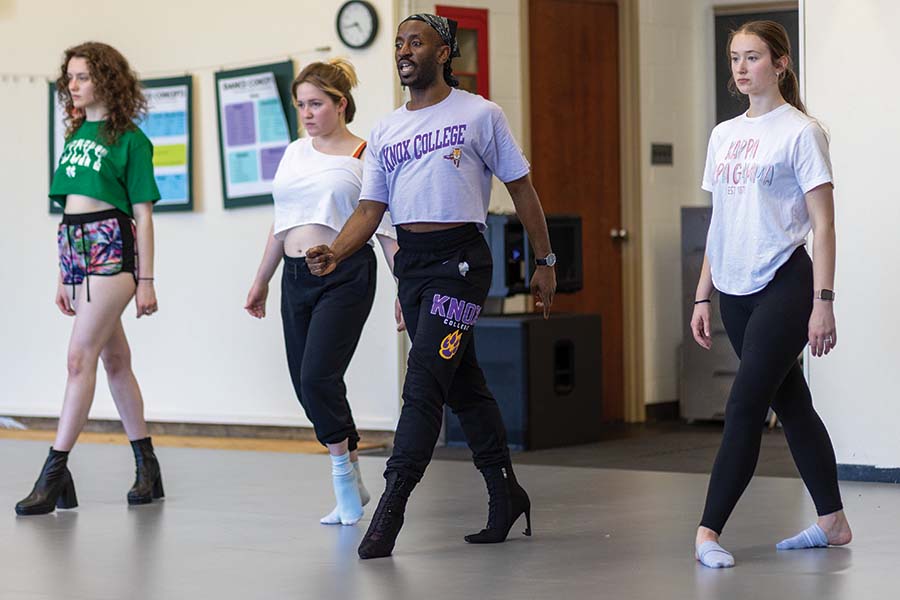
[
  {"x": 311, "y": 187},
  {"x": 435, "y": 164},
  {"x": 758, "y": 170}
]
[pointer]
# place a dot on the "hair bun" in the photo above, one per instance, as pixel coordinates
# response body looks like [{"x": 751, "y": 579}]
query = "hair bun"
[{"x": 344, "y": 66}]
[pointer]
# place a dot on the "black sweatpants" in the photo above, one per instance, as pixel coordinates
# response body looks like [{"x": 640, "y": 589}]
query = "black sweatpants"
[
  {"x": 323, "y": 319},
  {"x": 444, "y": 278},
  {"x": 768, "y": 330}
]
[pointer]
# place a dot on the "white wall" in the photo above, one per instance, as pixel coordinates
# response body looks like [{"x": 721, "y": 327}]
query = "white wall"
[
  {"x": 201, "y": 358},
  {"x": 677, "y": 70},
  {"x": 850, "y": 52}
]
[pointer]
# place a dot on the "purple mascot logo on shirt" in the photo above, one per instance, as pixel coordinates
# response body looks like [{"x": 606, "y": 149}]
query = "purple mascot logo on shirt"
[{"x": 454, "y": 156}]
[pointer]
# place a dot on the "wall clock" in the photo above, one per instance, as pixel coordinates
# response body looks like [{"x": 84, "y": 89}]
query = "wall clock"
[{"x": 357, "y": 23}]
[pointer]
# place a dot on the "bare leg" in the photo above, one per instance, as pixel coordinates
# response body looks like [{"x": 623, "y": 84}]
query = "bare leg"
[
  {"x": 95, "y": 322},
  {"x": 123, "y": 385},
  {"x": 340, "y": 449}
]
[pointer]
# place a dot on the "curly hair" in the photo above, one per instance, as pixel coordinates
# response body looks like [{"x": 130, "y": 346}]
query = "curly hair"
[{"x": 115, "y": 85}]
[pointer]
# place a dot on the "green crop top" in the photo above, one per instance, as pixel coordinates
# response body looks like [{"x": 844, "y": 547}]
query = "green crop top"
[{"x": 120, "y": 174}]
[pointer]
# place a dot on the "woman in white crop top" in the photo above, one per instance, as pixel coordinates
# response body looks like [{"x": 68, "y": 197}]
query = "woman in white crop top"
[
  {"x": 770, "y": 176},
  {"x": 316, "y": 189}
]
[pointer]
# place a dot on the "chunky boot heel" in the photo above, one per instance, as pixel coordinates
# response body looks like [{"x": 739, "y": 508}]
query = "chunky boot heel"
[
  {"x": 158, "y": 489},
  {"x": 507, "y": 501},
  {"x": 388, "y": 518},
  {"x": 54, "y": 488},
  {"x": 67, "y": 499},
  {"x": 147, "y": 478}
]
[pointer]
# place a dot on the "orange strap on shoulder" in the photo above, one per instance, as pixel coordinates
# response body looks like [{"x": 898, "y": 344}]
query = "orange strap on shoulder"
[{"x": 359, "y": 150}]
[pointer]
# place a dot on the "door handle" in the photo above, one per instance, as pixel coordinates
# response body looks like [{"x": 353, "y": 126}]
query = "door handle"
[{"x": 618, "y": 234}]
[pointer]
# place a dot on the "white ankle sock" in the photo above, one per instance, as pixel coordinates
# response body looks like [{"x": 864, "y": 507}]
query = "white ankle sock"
[
  {"x": 811, "y": 537},
  {"x": 363, "y": 492},
  {"x": 712, "y": 555},
  {"x": 347, "y": 517}
]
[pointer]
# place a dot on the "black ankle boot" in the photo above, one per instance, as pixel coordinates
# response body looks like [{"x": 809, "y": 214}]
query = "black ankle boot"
[
  {"x": 388, "y": 518},
  {"x": 507, "y": 502},
  {"x": 54, "y": 488},
  {"x": 147, "y": 480}
]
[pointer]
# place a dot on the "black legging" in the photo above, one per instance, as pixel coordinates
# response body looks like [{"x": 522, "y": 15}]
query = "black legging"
[{"x": 768, "y": 330}]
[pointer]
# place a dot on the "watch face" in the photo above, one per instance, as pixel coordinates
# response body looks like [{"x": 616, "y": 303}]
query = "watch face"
[
  {"x": 357, "y": 23},
  {"x": 547, "y": 261}
]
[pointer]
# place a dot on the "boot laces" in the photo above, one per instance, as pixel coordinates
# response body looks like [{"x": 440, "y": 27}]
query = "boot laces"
[
  {"x": 496, "y": 494},
  {"x": 384, "y": 515}
]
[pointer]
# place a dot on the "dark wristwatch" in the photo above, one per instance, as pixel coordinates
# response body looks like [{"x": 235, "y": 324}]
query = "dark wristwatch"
[
  {"x": 824, "y": 294},
  {"x": 547, "y": 261}
]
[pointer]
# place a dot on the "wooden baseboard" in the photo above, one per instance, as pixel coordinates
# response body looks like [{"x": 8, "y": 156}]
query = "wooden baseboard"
[
  {"x": 197, "y": 435},
  {"x": 269, "y": 432}
]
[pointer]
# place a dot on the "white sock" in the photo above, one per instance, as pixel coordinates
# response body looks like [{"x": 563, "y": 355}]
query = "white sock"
[
  {"x": 334, "y": 517},
  {"x": 363, "y": 492},
  {"x": 812, "y": 537},
  {"x": 712, "y": 555}
]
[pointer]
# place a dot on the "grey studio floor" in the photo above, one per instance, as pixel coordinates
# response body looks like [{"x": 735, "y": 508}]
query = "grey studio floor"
[{"x": 245, "y": 525}]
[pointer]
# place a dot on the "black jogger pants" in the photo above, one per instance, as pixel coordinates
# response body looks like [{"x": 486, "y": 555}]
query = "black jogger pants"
[{"x": 444, "y": 278}]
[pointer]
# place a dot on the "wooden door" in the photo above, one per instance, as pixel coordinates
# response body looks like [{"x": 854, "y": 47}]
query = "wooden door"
[{"x": 574, "y": 73}]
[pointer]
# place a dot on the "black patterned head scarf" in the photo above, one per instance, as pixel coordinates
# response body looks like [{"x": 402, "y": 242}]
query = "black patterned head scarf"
[{"x": 446, "y": 28}]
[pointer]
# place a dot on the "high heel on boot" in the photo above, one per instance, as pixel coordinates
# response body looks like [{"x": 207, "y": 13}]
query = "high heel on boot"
[
  {"x": 53, "y": 489},
  {"x": 148, "y": 484},
  {"x": 507, "y": 502},
  {"x": 388, "y": 518}
]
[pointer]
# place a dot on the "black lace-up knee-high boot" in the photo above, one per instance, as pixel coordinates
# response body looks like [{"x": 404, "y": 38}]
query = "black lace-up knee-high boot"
[{"x": 388, "y": 518}]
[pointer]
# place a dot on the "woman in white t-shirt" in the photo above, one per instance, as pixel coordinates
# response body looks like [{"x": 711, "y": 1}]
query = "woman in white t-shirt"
[
  {"x": 770, "y": 176},
  {"x": 316, "y": 189}
]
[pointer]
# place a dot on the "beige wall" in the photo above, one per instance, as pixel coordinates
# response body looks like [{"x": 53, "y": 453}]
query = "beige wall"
[
  {"x": 850, "y": 51},
  {"x": 201, "y": 358}
]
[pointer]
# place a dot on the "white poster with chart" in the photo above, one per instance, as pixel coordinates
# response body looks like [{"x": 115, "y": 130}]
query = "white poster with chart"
[
  {"x": 256, "y": 124},
  {"x": 168, "y": 125}
]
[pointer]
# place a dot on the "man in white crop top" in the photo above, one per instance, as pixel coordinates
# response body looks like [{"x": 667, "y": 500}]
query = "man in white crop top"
[{"x": 431, "y": 162}]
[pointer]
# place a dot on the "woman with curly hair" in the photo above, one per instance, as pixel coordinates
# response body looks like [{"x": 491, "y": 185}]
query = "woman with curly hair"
[{"x": 105, "y": 183}]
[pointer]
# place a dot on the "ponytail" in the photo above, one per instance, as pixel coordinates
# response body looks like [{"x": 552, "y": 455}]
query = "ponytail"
[{"x": 789, "y": 87}]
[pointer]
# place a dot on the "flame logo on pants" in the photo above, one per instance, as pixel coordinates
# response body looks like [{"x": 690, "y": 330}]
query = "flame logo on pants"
[{"x": 450, "y": 344}]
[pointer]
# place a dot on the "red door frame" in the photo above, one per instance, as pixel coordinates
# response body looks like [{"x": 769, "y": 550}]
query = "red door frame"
[{"x": 477, "y": 20}]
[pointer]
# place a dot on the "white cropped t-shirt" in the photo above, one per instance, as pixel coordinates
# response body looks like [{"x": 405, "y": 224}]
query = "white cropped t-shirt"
[{"x": 314, "y": 188}]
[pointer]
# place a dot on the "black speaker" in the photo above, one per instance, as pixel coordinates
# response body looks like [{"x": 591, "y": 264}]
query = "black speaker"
[
  {"x": 545, "y": 376},
  {"x": 513, "y": 260}
]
